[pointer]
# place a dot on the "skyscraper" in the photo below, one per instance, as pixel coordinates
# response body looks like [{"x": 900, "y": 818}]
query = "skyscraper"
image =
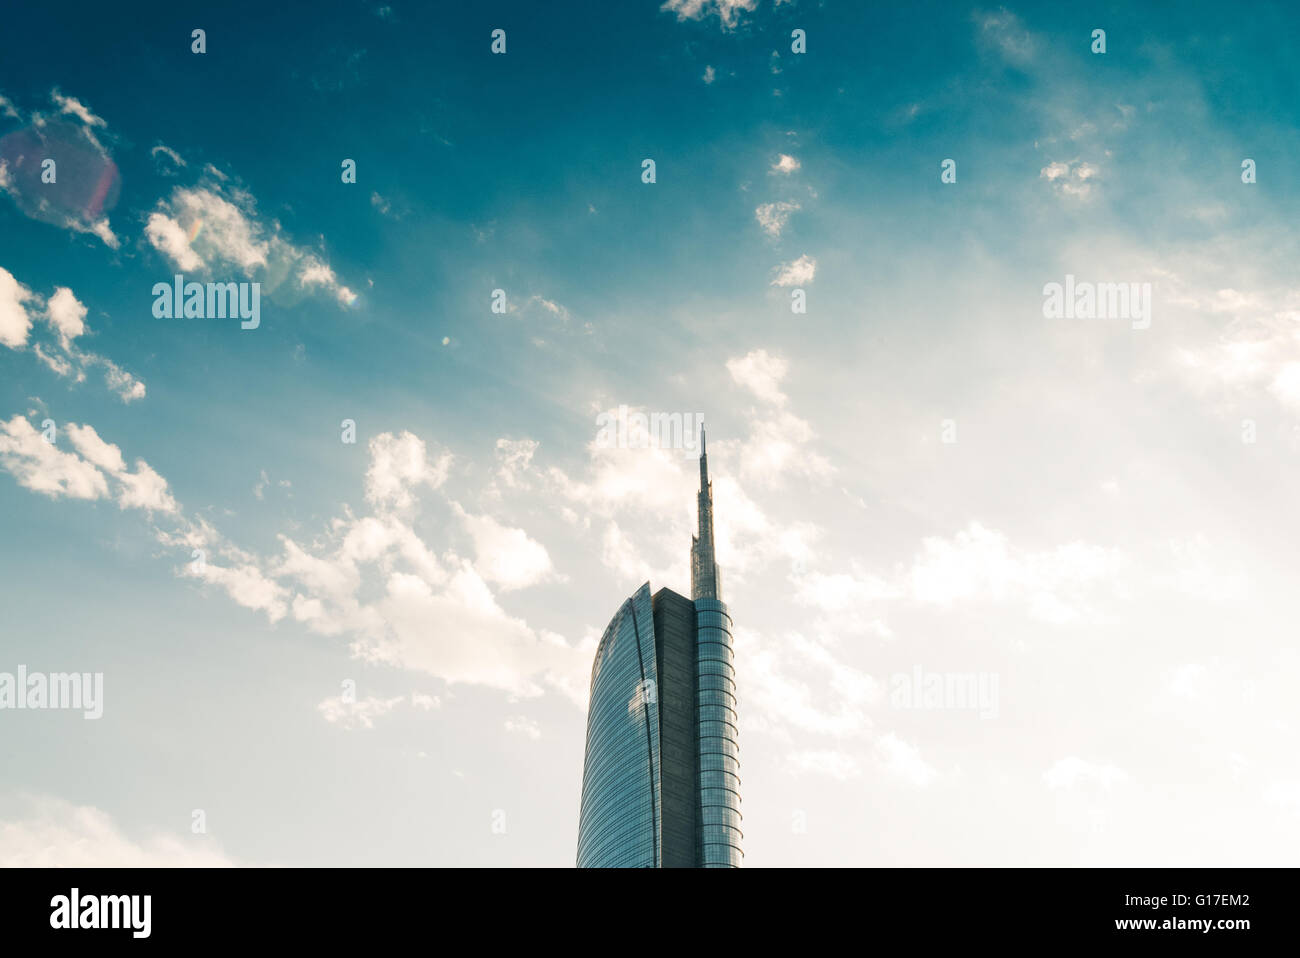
[{"x": 661, "y": 776}]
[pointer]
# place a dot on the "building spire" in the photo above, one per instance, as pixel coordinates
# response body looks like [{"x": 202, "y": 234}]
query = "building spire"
[
  {"x": 704, "y": 461},
  {"x": 705, "y": 581}
]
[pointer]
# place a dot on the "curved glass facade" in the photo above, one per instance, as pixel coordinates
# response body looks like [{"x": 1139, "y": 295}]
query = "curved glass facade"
[
  {"x": 618, "y": 824},
  {"x": 719, "y": 743},
  {"x": 661, "y": 775}
]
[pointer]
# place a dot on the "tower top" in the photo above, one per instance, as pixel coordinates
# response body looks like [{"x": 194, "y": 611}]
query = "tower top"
[
  {"x": 705, "y": 580},
  {"x": 704, "y": 462}
]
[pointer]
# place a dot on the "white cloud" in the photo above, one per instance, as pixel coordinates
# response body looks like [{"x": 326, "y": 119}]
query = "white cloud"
[
  {"x": 95, "y": 450},
  {"x": 772, "y": 217},
  {"x": 44, "y": 468},
  {"x": 786, "y": 680},
  {"x": 168, "y": 237},
  {"x": 167, "y": 160},
  {"x": 66, "y": 317},
  {"x": 215, "y": 226},
  {"x": 127, "y": 387},
  {"x": 87, "y": 473},
  {"x": 777, "y": 445},
  {"x": 398, "y": 466},
  {"x": 426, "y": 629},
  {"x": 144, "y": 489},
  {"x": 709, "y": 75},
  {"x": 75, "y": 107},
  {"x": 315, "y": 273},
  {"x": 980, "y": 563},
  {"x": 761, "y": 373},
  {"x": 515, "y": 457},
  {"x": 1074, "y": 178},
  {"x": 58, "y": 834},
  {"x": 57, "y": 364},
  {"x": 248, "y": 586},
  {"x": 727, "y": 11},
  {"x": 141, "y": 489},
  {"x": 1055, "y": 171},
  {"x": 15, "y": 323},
  {"x": 99, "y": 228},
  {"x": 66, "y": 314},
  {"x": 1004, "y": 32},
  {"x": 799, "y": 272},
  {"x": 785, "y": 165},
  {"x": 356, "y": 713},
  {"x": 374, "y": 579},
  {"x": 223, "y": 228},
  {"x": 522, "y": 725},
  {"x": 504, "y": 555}
]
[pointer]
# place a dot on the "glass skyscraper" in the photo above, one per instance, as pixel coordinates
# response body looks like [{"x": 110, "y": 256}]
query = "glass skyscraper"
[{"x": 661, "y": 777}]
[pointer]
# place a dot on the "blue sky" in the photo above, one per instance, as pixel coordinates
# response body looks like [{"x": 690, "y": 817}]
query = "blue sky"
[{"x": 1099, "y": 537}]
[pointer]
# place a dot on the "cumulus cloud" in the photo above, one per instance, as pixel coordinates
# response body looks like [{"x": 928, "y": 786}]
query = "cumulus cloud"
[
  {"x": 777, "y": 446},
  {"x": 168, "y": 237},
  {"x": 42, "y": 467},
  {"x": 514, "y": 457},
  {"x": 65, "y": 316},
  {"x": 728, "y": 12},
  {"x": 96, "y": 470},
  {"x": 399, "y": 465},
  {"x": 214, "y": 227},
  {"x": 372, "y": 578},
  {"x": 1254, "y": 352},
  {"x": 980, "y": 563},
  {"x": 785, "y": 165},
  {"x": 15, "y": 322},
  {"x": 506, "y": 556},
  {"x": 799, "y": 272},
  {"x": 761, "y": 373}
]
